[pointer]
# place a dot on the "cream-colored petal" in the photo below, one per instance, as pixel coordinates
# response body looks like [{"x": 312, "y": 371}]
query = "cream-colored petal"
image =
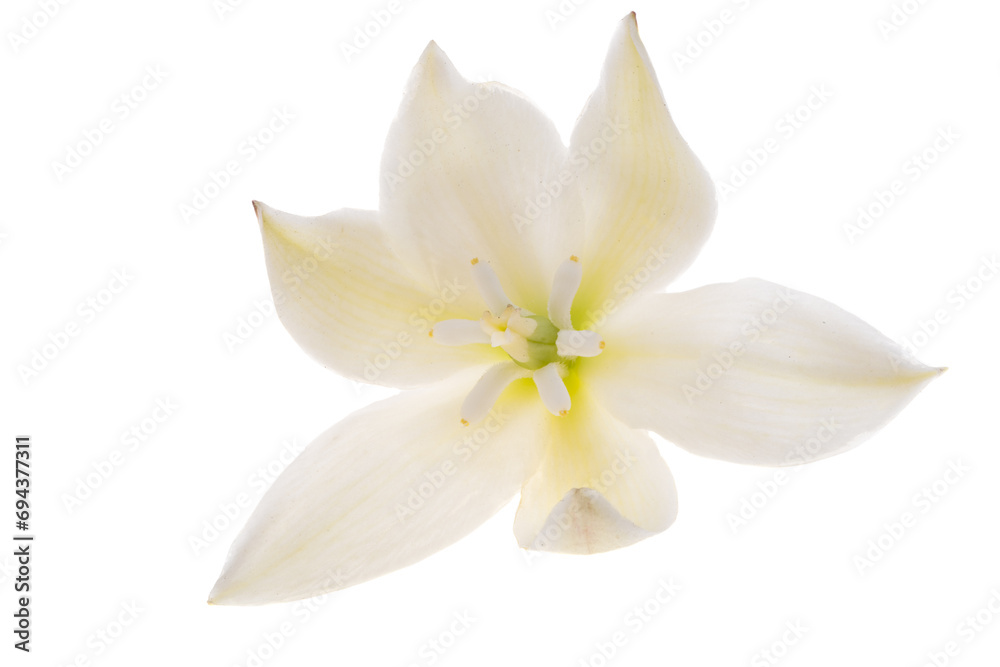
[
  {"x": 459, "y": 332},
  {"x": 468, "y": 172},
  {"x": 601, "y": 486},
  {"x": 649, "y": 203},
  {"x": 385, "y": 488},
  {"x": 571, "y": 343},
  {"x": 752, "y": 372},
  {"x": 354, "y": 306}
]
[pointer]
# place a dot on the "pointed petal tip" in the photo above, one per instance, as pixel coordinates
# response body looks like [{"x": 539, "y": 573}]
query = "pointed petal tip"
[
  {"x": 217, "y": 596},
  {"x": 224, "y": 594},
  {"x": 434, "y": 55},
  {"x": 259, "y": 209},
  {"x": 430, "y": 50},
  {"x": 434, "y": 68},
  {"x": 213, "y": 598},
  {"x": 627, "y": 35},
  {"x": 920, "y": 372},
  {"x": 934, "y": 372},
  {"x": 630, "y": 25}
]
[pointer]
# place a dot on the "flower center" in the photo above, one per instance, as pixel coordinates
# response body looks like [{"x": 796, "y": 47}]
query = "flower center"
[
  {"x": 542, "y": 348},
  {"x": 530, "y": 340}
]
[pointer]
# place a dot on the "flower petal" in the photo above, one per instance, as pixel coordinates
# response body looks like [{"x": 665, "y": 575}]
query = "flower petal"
[
  {"x": 649, "y": 203},
  {"x": 384, "y": 488},
  {"x": 601, "y": 486},
  {"x": 468, "y": 173},
  {"x": 752, "y": 372},
  {"x": 353, "y": 305}
]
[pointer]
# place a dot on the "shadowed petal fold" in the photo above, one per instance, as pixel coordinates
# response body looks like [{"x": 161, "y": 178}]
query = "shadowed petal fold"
[
  {"x": 600, "y": 486},
  {"x": 386, "y": 487},
  {"x": 752, "y": 372}
]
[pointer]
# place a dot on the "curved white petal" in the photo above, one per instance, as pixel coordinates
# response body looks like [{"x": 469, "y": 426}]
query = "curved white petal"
[
  {"x": 649, "y": 203},
  {"x": 752, "y": 372},
  {"x": 472, "y": 171},
  {"x": 384, "y": 488},
  {"x": 601, "y": 486},
  {"x": 353, "y": 305}
]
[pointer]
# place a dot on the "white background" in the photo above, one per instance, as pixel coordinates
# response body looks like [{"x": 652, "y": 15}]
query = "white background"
[{"x": 192, "y": 282}]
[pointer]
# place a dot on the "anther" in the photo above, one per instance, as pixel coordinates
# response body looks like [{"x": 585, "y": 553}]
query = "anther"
[{"x": 552, "y": 390}]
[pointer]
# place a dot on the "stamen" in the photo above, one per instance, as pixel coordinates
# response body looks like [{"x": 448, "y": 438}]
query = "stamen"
[
  {"x": 459, "y": 332},
  {"x": 571, "y": 343},
  {"x": 489, "y": 287},
  {"x": 552, "y": 389},
  {"x": 480, "y": 400},
  {"x": 564, "y": 287},
  {"x": 519, "y": 324}
]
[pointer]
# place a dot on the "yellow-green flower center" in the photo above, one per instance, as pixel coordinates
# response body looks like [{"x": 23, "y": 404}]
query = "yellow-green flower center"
[{"x": 542, "y": 348}]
